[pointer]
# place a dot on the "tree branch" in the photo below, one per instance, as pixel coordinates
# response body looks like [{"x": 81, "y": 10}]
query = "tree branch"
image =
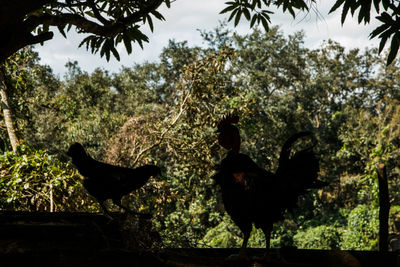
[
  {"x": 136, "y": 16},
  {"x": 12, "y": 10},
  {"x": 97, "y": 13},
  {"x": 108, "y": 30},
  {"x": 7, "y": 111},
  {"x": 17, "y": 22},
  {"x": 76, "y": 20},
  {"x": 175, "y": 120},
  {"x": 40, "y": 38}
]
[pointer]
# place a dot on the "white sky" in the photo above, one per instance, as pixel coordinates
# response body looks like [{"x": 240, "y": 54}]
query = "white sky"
[{"x": 182, "y": 22}]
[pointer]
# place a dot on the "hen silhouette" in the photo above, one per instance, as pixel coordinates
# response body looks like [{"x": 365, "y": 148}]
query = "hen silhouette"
[{"x": 104, "y": 181}]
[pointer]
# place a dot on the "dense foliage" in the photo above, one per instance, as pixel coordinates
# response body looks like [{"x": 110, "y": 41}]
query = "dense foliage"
[
  {"x": 166, "y": 112},
  {"x": 33, "y": 180},
  {"x": 108, "y": 23}
]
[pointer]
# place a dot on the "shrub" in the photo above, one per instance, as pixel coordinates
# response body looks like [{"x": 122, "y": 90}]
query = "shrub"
[
  {"x": 225, "y": 235},
  {"x": 362, "y": 229},
  {"x": 33, "y": 180},
  {"x": 320, "y": 237}
]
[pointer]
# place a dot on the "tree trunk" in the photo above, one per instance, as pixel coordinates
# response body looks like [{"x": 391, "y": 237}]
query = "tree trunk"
[
  {"x": 384, "y": 207},
  {"x": 7, "y": 112}
]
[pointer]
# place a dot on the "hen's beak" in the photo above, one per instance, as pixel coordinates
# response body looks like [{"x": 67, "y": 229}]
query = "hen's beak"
[{"x": 66, "y": 153}]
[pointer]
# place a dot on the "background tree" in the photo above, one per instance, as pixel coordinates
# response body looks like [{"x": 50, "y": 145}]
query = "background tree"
[{"x": 349, "y": 99}]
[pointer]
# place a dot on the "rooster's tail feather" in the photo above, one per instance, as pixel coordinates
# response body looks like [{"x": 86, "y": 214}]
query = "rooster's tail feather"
[{"x": 300, "y": 171}]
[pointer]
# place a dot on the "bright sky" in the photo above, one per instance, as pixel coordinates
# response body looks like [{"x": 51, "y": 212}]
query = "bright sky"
[{"x": 186, "y": 17}]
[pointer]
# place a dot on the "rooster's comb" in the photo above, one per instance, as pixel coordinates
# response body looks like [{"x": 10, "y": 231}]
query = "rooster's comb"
[{"x": 227, "y": 120}]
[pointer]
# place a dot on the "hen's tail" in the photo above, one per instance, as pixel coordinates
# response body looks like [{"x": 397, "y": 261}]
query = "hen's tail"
[{"x": 298, "y": 172}]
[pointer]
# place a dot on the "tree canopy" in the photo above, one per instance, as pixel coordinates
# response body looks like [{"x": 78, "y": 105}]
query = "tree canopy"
[{"x": 110, "y": 22}]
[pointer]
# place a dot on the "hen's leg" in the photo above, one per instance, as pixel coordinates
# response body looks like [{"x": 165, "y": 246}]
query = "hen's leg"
[
  {"x": 107, "y": 213},
  {"x": 119, "y": 204}
]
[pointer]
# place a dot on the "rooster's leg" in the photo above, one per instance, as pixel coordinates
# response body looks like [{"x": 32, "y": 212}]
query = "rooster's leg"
[
  {"x": 267, "y": 233},
  {"x": 242, "y": 252}
]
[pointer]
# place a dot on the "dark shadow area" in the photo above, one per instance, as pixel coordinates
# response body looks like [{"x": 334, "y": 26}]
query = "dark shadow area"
[
  {"x": 76, "y": 239},
  {"x": 81, "y": 239},
  {"x": 252, "y": 195}
]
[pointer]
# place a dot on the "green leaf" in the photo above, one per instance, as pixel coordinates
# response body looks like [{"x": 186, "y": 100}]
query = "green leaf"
[
  {"x": 394, "y": 48},
  {"x": 118, "y": 39},
  {"x": 95, "y": 44},
  {"x": 115, "y": 53},
  {"x": 365, "y": 11},
  {"x": 231, "y": 3},
  {"x": 233, "y": 14},
  {"x": 378, "y": 30},
  {"x": 105, "y": 48},
  {"x": 345, "y": 10},
  {"x": 229, "y": 8},
  {"x": 108, "y": 55},
  {"x": 382, "y": 43},
  {"x": 336, "y": 5},
  {"x": 127, "y": 42},
  {"x": 246, "y": 13},
  {"x": 157, "y": 15},
  {"x": 86, "y": 40},
  {"x": 264, "y": 22},
  {"x": 150, "y": 21},
  {"x": 253, "y": 21},
  {"x": 89, "y": 13},
  {"x": 385, "y": 17},
  {"x": 61, "y": 30},
  {"x": 237, "y": 18},
  {"x": 376, "y": 4},
  {"x": 291, "y": 11},
  {"x": 386, "y": 4},
  {"x": 253, "y": 4}
]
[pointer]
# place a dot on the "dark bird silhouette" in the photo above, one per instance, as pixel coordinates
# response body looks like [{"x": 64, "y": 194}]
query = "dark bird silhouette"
[
  {"x": 104, "y": 181},
  {"x": 252, "y": 195}
]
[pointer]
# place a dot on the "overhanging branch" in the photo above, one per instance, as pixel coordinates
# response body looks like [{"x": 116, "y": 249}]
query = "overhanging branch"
[
  {"x": 137, "y": 16},
  {"x": 76, "y": 20}
]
